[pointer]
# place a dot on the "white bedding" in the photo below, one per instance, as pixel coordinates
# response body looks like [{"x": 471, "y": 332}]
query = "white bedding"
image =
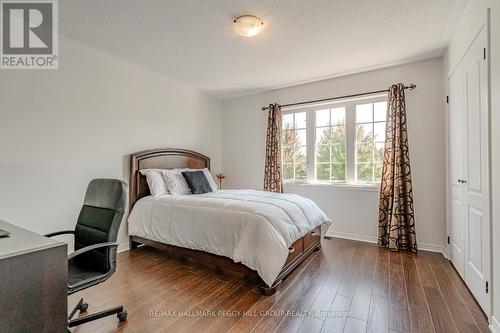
[{"x": 252, "y": 227}]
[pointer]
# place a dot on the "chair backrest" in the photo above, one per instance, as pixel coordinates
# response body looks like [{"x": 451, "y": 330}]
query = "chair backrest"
[{"x": 99, "y": 221}]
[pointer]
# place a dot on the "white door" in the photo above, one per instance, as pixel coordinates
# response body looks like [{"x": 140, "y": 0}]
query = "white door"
[
  {"x": 476, "y": 196},
  {"x": 468, "y": 162},
  {"x": 455, "y": 174}
]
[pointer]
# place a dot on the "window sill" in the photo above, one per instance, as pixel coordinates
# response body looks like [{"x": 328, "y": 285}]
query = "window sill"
[{"x": 350, "y": 186}]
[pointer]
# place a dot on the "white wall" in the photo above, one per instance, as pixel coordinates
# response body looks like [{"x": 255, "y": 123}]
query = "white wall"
[
  {"x": 61, "y": 128},
  {"x": 470, "y": 23},
  {"x": 354, "y": 211}
]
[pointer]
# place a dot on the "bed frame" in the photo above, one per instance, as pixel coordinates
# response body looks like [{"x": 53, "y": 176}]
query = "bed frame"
[{"x": 170, "y": 158}]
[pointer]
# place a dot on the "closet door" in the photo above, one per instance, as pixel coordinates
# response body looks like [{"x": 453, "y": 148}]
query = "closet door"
[
  {"x": 476, "y": 196},
  {"x": 456, "y": 111}
]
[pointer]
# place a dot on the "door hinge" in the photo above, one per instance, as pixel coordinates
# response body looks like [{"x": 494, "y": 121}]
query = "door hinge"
[
  {"x": 486, "y": 286},
  {"x": 484, "y": 53},
  {"x": 447, "y": 99},
  {"x": 448, "y": 239}
]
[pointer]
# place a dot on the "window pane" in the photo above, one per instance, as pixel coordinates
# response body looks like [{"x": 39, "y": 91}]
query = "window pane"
[
  {"x": 377, "y": 173},
  {"x": 338, "y": 134},
  {"x": 338, "y": 153},
  {"x": 323, "y": 135},
  {"x": 364, "y": 172},
  {"x": 323, "y": 118},
  {"x": 379, "y": 132},
  {"x": 301, "y": 137},
  {"x": 364, "y": 152},
  {"x": 364, "y": 133},
  {"x": 300, "y": 120},
  {"x": 338, "y": 171},
  {"x": 380, "y": 111},
  {"x": 379, "y": 152},
  {"x": 364, "y": 113},
  {"x": 338, "y": 116},
  {"x": 288, "y": 171},
  {"x": 287, "y": 121},
  {"x": 300, "y": 156},
  {"x": 288, "y": 153},
  {"x": 323, "y": 153},
  {"x": 322, "y": 171},
  {"x": 289, "y": 138},
  {"x": 300, "y": 171}
]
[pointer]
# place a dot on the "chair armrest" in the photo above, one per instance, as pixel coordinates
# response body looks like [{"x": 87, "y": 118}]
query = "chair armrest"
[
  {"x": 57, "y": 233},
  {"x": 90, "y": 248}
]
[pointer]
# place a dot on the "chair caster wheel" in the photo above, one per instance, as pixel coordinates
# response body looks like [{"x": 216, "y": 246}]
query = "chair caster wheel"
[
  {"x": 84, "y": 307},
  {"x": 122, "y": 316}
]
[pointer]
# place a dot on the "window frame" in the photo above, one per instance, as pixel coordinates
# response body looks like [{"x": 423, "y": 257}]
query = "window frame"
[{"x": 350, "y": 128}]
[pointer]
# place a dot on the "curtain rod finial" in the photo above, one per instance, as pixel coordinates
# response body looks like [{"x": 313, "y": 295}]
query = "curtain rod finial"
[{"x": 412, "y": 86}]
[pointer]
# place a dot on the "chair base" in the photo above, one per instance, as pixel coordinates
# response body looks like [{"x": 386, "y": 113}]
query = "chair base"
[{"x": 82, "y": 307}]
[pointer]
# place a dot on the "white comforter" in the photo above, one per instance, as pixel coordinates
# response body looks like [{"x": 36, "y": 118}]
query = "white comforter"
[{"x": 252, "y": 227}]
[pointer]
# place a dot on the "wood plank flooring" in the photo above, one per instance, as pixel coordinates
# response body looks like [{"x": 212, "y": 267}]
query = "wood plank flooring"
[{"x": 347, "y": 286}]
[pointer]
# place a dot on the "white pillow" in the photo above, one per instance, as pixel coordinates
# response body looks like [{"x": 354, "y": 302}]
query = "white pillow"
[
  {"x": 175, "y": 182},
  {"x": 156, "y": 181},
  {"x": 210, "y": 179}
]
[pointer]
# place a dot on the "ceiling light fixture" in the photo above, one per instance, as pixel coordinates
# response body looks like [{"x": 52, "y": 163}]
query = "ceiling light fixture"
[{"x": 248, "y": 25}]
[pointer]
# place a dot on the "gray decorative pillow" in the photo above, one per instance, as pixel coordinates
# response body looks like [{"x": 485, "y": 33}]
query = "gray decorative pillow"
[{"x": 197, "y": 182}]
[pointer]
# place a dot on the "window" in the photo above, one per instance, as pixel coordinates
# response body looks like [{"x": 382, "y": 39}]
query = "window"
[{"x": 341, "y": 142}]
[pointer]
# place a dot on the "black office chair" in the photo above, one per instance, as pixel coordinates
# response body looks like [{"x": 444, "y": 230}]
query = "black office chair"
[{"x": 94, "y": 259}]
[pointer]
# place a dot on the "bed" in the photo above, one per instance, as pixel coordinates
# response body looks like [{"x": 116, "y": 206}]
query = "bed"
[{"x": 262, "y": 235}]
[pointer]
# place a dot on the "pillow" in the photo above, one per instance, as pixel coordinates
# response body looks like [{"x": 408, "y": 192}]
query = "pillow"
[
  {"x": 156, "y": 182},
  {"x": 197, "y": 182},
  {"x": 176, "y": 183},
  {"x": 210, "y": 179}
]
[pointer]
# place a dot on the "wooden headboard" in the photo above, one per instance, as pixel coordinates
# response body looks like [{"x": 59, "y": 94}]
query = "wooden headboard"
[{"x": 166, "y": 158}]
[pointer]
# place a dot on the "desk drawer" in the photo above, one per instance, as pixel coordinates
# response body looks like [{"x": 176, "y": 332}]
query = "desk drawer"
[
  {"x": 295, "y": 250},
  {"x": 312, "y": 237}
]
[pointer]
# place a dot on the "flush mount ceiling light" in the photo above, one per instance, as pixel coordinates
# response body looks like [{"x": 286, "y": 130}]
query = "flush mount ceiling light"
[{"x": 248, "y": 25}]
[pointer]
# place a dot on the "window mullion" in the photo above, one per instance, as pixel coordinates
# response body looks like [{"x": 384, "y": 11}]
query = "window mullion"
[
  {"x": 351, "y": 142},
  {"x": 310, "y": 144}
]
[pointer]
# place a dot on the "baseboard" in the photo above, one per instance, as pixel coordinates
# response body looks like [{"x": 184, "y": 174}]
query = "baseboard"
[
  {"x": 370, "y": 239},
  {"x": 345, "y": 235},
  {"x": 432, "y": 248},
  {"x": 123, "y": 247},
  {"x": 356, "y": 237},
  {"x": 495, "y": 325}
]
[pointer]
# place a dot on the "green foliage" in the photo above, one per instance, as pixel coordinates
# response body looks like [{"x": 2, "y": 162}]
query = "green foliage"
[
  {"x": 294, "y": 159},
  {"x": 331, "y": 154},
  {"x": 369, "y": 156}
]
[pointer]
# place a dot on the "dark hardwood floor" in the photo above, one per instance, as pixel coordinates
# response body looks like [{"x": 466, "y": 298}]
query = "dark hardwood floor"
[{"x": 347, "y": 286}]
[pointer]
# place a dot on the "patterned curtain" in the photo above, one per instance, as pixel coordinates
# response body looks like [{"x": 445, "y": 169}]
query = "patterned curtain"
[
  {"x": 396, "y": 214},
  {"x": 272, "y": 176}
]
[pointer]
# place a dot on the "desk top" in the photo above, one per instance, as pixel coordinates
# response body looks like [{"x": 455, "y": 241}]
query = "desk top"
[{"x": 22, "y": 241}]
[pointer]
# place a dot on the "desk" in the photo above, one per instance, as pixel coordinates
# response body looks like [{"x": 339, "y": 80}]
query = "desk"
[{"x": 33, "y": 282}]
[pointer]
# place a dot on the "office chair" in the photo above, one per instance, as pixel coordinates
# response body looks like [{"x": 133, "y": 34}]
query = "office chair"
[{"x": 94, "y": 259}]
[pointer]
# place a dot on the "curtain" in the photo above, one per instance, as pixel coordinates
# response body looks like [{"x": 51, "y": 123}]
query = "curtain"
[
  {"x": 396, "y": 214},
  {"x": 273, "y": 181}
]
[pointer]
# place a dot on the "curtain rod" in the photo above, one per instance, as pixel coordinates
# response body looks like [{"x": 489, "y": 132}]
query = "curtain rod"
[{"x": 411, "y": 87}]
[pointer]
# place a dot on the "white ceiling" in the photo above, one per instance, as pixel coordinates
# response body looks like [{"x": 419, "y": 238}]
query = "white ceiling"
[{"x": 193, "y": 41}]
